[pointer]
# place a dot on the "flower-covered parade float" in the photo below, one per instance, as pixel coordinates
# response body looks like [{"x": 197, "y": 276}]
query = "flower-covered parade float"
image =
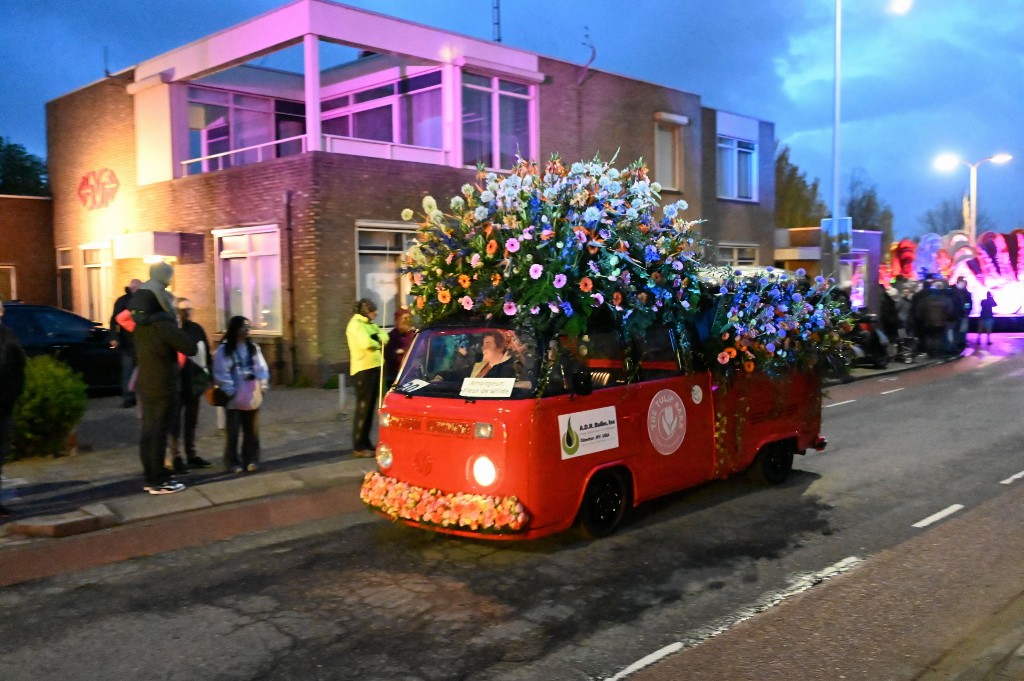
[{"x": 579, "y": 353}]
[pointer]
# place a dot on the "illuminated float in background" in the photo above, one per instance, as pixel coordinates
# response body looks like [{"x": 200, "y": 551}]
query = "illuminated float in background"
[{"x": 995, "y": 264}]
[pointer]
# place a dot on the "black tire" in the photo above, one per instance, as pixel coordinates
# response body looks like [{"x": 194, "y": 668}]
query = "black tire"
[
  {"x": 604, "y": 504},
  {"x": 773, "y": 464}
]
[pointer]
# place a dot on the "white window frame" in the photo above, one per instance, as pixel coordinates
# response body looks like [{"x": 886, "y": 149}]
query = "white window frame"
[
  {"x": 496, "y": 94},
  {"x": 403, "y": 283},
  {"x": 96, "y": 301},
  {"x": 68, "y": 265},
  {"x": 671, "y": 124},
  {"x": 230, "y": 159},
  {"x": 12, "y": 273},
  {"x": 247, "y": 297},
  {"x": 732, "y": 248},
  {"x": 732, "y": 146}
]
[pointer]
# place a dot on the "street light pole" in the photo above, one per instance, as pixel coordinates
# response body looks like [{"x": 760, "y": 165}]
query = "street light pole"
[{"x": 950, "y": 161}]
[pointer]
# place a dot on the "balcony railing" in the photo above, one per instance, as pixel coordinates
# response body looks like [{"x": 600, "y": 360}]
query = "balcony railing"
[
  {"x": 387, "y": 150},
  {"x": 243, "y": 155}
]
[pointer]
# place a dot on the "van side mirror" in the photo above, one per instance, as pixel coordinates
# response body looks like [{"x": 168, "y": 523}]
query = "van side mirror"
[{"x": 581, "y": 382}]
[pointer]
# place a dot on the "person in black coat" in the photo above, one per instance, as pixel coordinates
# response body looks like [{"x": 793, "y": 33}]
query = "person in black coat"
[
  {"x": 195, "y": 378},
  {"x": 121, "y": 338},
  {"x": 158, "y": 340},
  {"x": 12, "y": 382}
]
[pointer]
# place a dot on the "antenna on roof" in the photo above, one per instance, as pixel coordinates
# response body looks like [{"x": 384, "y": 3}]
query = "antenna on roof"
[
  {"x": 496, "y": 20},
  {"x": 106, "y": 62},
  {"x": 585, "y": 69}
]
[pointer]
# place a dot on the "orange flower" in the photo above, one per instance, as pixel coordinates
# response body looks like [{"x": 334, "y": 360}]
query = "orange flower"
[
  {"x": 492, "y": 247},
  {"x": 464, "y": 280},
  {"x": 495, "y": 279},
  {"x": 617, "y": 299},
  {"x": 586, "y": 284},
  {"x": 731, "y": 352},
  {"x": 444, "y": 297},
  {"x": 748, "y": 366},
  {"x": 420, "y": 302}
]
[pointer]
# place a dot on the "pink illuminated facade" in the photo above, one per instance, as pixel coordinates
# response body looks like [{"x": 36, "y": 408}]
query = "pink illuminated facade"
[{"x": 269, "y": 163}]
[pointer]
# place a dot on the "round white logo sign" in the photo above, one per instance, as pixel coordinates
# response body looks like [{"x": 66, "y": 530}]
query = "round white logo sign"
[
  {"x": 666, "y": 421},
  {"x": 696, "y": 394}
]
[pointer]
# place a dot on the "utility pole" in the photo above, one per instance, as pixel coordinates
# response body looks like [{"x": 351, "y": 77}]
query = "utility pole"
[{"x": 496, "y": 20}]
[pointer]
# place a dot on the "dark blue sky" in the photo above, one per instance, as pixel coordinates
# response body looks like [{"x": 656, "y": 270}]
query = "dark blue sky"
[{"x": 946, "y": 77}]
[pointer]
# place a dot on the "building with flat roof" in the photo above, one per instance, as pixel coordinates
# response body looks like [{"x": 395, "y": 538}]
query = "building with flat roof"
[{"x": 276, "y": 191}]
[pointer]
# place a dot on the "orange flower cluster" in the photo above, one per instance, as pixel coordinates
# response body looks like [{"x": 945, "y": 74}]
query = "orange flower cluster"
[{"x": 475, "y": 512}]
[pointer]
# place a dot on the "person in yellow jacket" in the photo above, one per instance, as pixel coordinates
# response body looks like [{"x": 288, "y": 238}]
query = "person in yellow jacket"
[{"x": 366, "y": 342}]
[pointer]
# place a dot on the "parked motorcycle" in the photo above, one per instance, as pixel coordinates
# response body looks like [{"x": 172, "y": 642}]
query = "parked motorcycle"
[{"x": 869, "y": 344}]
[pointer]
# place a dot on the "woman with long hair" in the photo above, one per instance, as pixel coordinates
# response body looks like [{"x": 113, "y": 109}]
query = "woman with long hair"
[{"x": 240, "y": 371}]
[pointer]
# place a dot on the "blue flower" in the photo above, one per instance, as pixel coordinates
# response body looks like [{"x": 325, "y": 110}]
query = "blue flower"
[
  {"x": 819, "y": 279},
  {"x": 651, "y": 253},
  {"x": 671, "y": 211},
  {"x": 632, "y": 214},
  {"x": 592, "y": 215},
  {"x": 566, "y": 308},
  {"x": 800, "y": 271}
]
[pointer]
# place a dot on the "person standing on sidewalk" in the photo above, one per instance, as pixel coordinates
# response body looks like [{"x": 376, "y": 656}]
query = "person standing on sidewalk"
[
  {"x": 121, "y": 338},
  {"x": 365, "y": 343},
  {"x": 12, "y": 382},
  {"x": 986, "y": 320},
  {"x": 158, "y": 340},
  {"x": 241, "y": 372},
  {"x": 195, "y": 378}
]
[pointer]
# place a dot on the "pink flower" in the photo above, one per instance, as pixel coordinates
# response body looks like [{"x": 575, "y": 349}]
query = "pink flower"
[
  {"x": 510, "y": 308},
  {"x": 535, "y": 309},
  {"x": 598, "y": 299},
  {"x": 467, "y": 302},
  {"x": 723, "y": 358},
  {"x": 512, "y": 245},
  {"x": 560, "y": 280},
  {"x": 554, "y": 308},
  {"x": 536, "y": 270}
]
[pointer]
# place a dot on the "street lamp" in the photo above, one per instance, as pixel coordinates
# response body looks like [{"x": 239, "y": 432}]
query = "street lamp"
[
  {"x": 894, "y": 7},
  {"x": 947, "y": 162}
]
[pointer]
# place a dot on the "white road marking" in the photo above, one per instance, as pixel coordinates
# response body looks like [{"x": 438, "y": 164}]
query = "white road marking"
[
  {"x": 798, "y": 584},
  {"x": 894, "y": 390},
  {"x": 836, "y": 404},
  {"x": 883, "y": 380},
  {"x": 1014, "y": 374},
  {"x": 939, "y": 516},
  {"x": 1009, "y": 480}
]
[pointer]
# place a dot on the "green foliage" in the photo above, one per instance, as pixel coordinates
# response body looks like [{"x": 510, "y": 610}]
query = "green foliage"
[
  {"x": 797, "y": 203},
  {"x": 21, "y": 173},
  {"x": 331, "y": 383},
  {"x": 48, "y": 410},
  {"x": 867, "y": 209}
]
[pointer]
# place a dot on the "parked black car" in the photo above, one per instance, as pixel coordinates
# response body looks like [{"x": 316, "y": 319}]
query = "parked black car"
[{"x": 80, "y": 343}]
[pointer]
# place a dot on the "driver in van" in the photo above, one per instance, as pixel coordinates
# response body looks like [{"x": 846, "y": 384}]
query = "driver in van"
[{"x": 496, "y": 362}]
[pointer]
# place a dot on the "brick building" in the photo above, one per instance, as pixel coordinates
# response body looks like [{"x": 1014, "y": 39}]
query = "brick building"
[
  {"x": 276, "y": 192},
  {"x": 27, "y": 269}
]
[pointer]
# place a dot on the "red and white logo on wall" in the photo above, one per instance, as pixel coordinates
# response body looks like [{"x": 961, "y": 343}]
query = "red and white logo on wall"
[{"x": 97, "y": 188}]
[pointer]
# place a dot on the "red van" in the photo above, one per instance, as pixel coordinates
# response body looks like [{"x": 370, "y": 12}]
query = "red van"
[{"x": 486, "y": 435}]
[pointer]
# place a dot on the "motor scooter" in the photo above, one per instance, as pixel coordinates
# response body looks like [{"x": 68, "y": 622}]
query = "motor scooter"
[{"x": 869, "y": 344}]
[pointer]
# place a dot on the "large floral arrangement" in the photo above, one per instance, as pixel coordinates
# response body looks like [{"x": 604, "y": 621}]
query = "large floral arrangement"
[
  {"x": 549, "y": 248},
  {"x": 475, "y": 512},
  {"x": 771, "y": 321}
]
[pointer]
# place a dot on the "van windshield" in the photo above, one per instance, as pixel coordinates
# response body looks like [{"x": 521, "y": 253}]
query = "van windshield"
[{"x": 471, "y": 363}]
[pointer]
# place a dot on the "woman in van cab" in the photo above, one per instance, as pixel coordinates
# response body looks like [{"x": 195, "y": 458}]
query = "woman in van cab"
[{"x": 496, "y": 362}]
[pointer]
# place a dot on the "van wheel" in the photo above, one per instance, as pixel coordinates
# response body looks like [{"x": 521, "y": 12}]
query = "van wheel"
[
  {"x": 604, "y": 504},
  {"x": 773, "y": 464}
]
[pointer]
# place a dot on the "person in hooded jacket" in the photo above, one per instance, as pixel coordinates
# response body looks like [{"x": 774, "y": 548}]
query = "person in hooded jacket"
[
  {"x": 241, "y": 372},
  {"x": 158, "y": 341}
]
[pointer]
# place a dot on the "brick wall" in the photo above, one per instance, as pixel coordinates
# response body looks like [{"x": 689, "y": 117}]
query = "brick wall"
[{"x": 26, "y": 242}]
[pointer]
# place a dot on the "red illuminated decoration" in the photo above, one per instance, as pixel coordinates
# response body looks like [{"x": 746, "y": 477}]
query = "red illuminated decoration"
[{"x": 97, "y": 188}]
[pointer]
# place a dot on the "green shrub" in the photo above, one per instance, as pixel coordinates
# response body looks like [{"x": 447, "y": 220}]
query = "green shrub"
[
  {"x": 47, "y": 412},
  {"x": 331, "y": 383}
]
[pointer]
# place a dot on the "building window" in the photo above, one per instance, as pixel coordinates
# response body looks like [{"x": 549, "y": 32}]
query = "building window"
[
  {"x": 64, "y": 271},
  {"x": 737, "y": 169},
  {"x": 221, "y": 121},
  {"x": 249, "y": 277},
  {"x": 737, "y": 255},
  {"x": 8, "y": 283},
  {"x": 668, "y": 150},
  {"x": 406, "y": 111},
  {"x": 381, "y": 247},
  {"x": 495, "y": 121},
  {"x": 97, "y": 274}
]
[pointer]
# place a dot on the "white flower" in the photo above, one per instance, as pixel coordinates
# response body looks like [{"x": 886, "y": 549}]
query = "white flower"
[
  {"x": 429, "y": 204},
  {"x": 458, "y": 203},
  {"x": 467, "y": 190},
  {"x": 437, "y": 217},
  {"x": 481, "y": 213},
  {"x": 486, "y": 197},
  {"x": 656, "y": 186},
  {"x": 407, "y": 214}
]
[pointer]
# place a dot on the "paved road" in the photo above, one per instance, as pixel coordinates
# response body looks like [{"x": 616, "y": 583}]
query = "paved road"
[{"x": 371, "y": 600}]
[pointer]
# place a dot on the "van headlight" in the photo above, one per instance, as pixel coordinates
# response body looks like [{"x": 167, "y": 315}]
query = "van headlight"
[
  {"x": 384, "y": 419},
  {"x": 484, "y": 471},
  {"x": 483, "y": 431},
  {"x": 384, "y": 457}
]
